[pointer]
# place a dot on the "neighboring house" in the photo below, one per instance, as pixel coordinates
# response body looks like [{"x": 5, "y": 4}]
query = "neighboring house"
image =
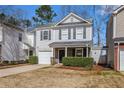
[
  {"x": 72, "y": 36},
  {"x": 12, "y": 43},
  {"x": 28, "y": 45},
  {"x": 115, "y": 39}
]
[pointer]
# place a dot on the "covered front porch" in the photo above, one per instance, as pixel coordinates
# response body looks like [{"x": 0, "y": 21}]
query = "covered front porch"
[
  {"x": 70, "y": 49},
  {"x": 59, "y": 53}
]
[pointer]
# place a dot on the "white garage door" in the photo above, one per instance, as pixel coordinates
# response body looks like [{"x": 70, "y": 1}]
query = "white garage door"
[
  {"x": 122, "y": 60},
  {"x": 44, "y": 57}
]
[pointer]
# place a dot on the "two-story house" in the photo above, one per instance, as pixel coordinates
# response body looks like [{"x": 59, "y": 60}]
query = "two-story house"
[
  {"x": 70, "y": 37},
  {"x": 115, "y": 39},
  {"x": 13, "y": 43}
]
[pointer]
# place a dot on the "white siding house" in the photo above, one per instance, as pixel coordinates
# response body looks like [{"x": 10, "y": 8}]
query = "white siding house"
[
  {"x": 72, "y": 36},
  {"x": 12, "y": 41}
]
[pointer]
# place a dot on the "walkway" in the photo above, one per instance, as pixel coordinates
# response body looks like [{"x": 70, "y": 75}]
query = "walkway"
[{"x": 16, "y": 70}]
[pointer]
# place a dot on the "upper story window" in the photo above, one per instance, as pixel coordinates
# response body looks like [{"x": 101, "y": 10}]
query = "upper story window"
[
  {"x": 60, "y": 34},
  {"x": 46, "y": 35},
  {"x": 20, "y": 36},
  {"x": 69, "y": 33},
  {"x": 74, "y": 33},
  {"x": 84, "y": 33}
]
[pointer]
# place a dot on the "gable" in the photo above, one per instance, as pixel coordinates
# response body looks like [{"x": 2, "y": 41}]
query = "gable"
[{"x": 71, "y": 19}]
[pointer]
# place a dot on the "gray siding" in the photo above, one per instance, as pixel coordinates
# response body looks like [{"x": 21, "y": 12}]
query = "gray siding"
[
  {"x": 110, "y": 42},
  {"x": 120, "y": 24}
]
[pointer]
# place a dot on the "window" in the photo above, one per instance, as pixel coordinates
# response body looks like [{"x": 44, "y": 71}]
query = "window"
[
  {"x": 74, "y": 33},
  {"x": 69, "y": 33},
  {"x": 79, "y": 52},
  {"x": 45, "y": 35},
  {"x": 20, "y": 36},
  {"x": 60, "y": 34},
  {"x": 84, "y": 33}
]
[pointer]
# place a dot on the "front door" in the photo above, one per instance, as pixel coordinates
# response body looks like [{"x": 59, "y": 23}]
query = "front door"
[{"x": 61, "y": 55}]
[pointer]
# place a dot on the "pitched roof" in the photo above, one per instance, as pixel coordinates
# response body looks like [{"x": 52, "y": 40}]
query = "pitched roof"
[
  {"x": 116, "y": 11},
  {"x": 119, "y": 39},
  {"x": 71, "y": 43},
  {"x": 11, "y": 25},
  {"x": 54, "y": 24},
  {"x": 75, "y": 15}
]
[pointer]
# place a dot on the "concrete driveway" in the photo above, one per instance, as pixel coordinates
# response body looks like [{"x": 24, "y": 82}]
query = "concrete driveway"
[{"x": 16, "y": 70}]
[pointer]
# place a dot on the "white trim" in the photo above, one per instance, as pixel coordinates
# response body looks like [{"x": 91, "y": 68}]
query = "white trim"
[
  {"x": 73, "y": 15},
  {"x": 80, "y": 48},
  {"x": 82, "y": 51},
  {"x": 120, "y": 49},
  {"x": 42, "y": 31},
  {"x": 118, "y": 57},
  {"x": 87, "y": 51},
  {"x": 114, "y": 26},
  {"x": 119, "y": 42},
  {"x": 118, "y": 9},
  {"x": 54, "y": 27},
  {"x": 66, "y": 51}
]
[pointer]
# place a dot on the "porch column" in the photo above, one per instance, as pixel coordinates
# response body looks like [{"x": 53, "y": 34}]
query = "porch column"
[
  {"x": 87, "y": 51},
  {"x": 65, "y": 51},
  {"x": 82, "y": 52},
  {"x": 53, "y": 52},
  {"x": 28, "y": 53}
]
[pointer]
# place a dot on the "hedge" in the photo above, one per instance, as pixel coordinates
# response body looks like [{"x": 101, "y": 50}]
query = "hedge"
[
  {"x": 33, "y": 60},
  {"x": 78, "y": 61}
]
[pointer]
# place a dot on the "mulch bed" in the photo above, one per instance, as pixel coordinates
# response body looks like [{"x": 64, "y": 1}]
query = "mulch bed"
[
  {"x": 4, "y": 66},
  {"x": 95, "y": 68}
]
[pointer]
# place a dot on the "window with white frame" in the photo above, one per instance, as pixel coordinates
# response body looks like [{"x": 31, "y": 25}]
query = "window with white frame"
[
  {"x": 46, "y": 35},
  {"x": 79, "y": 52}
]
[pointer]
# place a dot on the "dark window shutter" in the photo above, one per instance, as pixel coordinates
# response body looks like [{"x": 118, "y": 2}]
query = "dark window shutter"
[
  {"x": 49, "y": 34},
  {"x": 84, "y": 32},
  {"x": 69, "y": 33},
  {"x": 60, "y": 34},
  {"x": 74, "y": 33},
  {"x": 41, "y": 35},
  {"x": 20, "y": 36}
]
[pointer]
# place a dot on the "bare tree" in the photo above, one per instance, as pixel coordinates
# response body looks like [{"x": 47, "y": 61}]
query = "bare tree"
[
  {"x": 15, "y": 16},
  {"x": 80, "y": 10},
  {"x": 101, "y": 16}
]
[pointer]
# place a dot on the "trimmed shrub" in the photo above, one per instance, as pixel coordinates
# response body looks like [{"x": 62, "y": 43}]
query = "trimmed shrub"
[
  {"x": 13, "y": 62},
  {"x": 33, "y": 60},
  {"x": 5, "y": 62},
  {"x": 78, "y": 61}
]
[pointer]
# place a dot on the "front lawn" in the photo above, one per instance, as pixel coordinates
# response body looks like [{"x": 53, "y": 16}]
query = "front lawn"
[{"x": 62, "y": 77}]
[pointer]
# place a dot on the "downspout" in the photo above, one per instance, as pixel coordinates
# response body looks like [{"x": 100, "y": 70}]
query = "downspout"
[{"x": 118, "y": 58}]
